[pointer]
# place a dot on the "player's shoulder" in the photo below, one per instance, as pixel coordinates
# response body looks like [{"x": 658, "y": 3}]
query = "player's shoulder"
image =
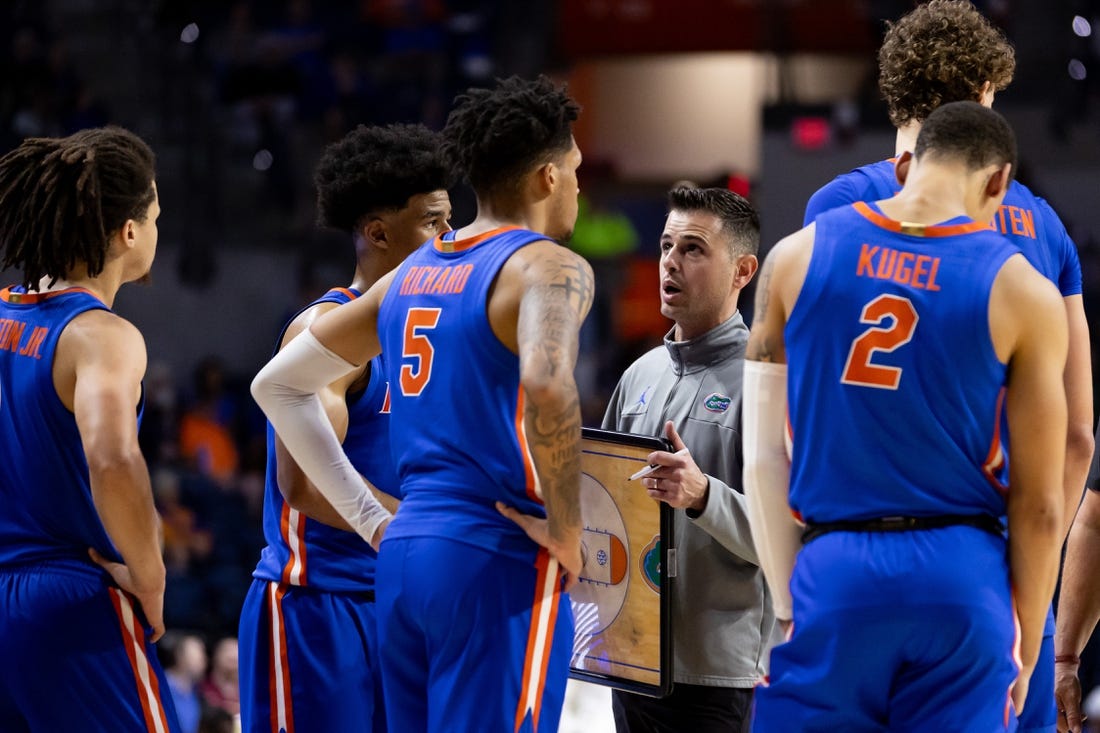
[
  {"x": 545, "y": 258},
  {"x": 101, "y": 336},
  {"x": 103, "y": 325},
  {"x": 1021, "y": 196},
  {"x": 1023, "y": 301},
  {"x": 1026, "y": 284},
  {"x": 858, "y": 177},
  {"x": 847, "y": 188},
  {"x": 305, "y": 318},
  {"x": 797, "y": 244},
  {"x": 544, "y": 246}
]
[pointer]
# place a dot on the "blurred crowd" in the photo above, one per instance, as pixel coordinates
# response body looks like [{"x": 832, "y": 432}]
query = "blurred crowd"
[
  {"x": 43, "y": 93},
  {"x": 267, "y": 85}
]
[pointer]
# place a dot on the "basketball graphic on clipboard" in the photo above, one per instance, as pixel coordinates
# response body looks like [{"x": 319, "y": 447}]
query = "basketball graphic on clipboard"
[{"x": 604, "y": 580}]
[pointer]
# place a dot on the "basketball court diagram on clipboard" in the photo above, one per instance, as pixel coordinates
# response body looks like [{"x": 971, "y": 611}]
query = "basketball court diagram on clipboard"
[
  {"x": 604, "y": 580},
  {"x": 621, "y": 602}
]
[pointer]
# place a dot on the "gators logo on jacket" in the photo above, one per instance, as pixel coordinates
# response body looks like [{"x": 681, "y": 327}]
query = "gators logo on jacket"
[{"x": 717, "y": 402}]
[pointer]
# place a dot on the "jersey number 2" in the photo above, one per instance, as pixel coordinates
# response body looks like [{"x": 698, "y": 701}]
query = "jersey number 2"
[
  {"x": 417, "y": 346},
  {"x": 859, "y": 370}
]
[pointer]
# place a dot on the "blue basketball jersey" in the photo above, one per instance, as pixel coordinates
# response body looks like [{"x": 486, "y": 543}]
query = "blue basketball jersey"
[
  {"x": 302, "y": 551},
  {"x": 457, "y": 428},
  {"x": 1027, "y": 220},
  {"x": 46, "y": 508},
  {"x": 893, "y": 378}
]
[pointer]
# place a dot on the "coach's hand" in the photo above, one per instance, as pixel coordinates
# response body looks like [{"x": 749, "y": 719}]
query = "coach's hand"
[
  {"x": 1067, "y": 695},
  {"x": 568, "y": 554},
  {"x": 151, "y": 598},
  {"x": 678, "y": 481}
]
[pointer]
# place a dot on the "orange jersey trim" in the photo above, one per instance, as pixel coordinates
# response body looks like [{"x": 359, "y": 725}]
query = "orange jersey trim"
[
  {"x": 346, "y": 291},
  {"x": 11, "y": 298},
  {"x": 292, "y": 527},
  {"x": 995, "y": 459},
  {"x": 918, "y": 230},
  {"x": 1017, "y": 658},
  {"x": 531, "y": 480},
  {"x": 282, "y": 709},
  {"x": 461, "y": 245},
  {"x": 540, "y": 638},
  {"x": 145, "y": 678}
]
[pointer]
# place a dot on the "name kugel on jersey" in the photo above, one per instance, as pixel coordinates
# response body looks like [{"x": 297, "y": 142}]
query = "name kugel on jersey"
[
  {"x": 11, "y": 336},
  {"x": 1015, "y": 220},
  {"x": 904, "y": 268},
  {"x": 432, "y": 280}
]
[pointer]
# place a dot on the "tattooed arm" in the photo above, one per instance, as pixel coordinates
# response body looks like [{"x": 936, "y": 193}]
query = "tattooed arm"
[
  {"x": 777, "y": 288},
  {"x": 548, "y": 290}
]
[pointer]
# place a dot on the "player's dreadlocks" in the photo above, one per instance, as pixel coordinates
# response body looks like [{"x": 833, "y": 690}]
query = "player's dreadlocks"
[
  {"x": 496, "y": 135},
  {"x": 62, "y": 198}
]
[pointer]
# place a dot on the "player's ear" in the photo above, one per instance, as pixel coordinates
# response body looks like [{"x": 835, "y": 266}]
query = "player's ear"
[
  {"x": 374, "y": 232},
  {"x": 986, "y": 94},
  {"x": 540, "y": 182},
  {"x": 999, "y": 181},
  {"x": 901, "y": 166},
  {"x": 549, "y": 176},
  {"x": 125, "y": 236}
]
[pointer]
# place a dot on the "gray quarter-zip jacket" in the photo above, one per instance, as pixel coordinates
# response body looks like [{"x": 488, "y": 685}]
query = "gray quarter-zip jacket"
[{"x": 722, "y": 617}]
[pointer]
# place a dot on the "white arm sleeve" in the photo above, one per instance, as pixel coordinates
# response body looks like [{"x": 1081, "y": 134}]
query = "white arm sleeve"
[
  {"x": 286, "y": 389},
  {"x": 767, "y": 474}
]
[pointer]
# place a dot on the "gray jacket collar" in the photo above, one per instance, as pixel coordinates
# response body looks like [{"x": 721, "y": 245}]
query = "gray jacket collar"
[{"x": 724, "y": 341}]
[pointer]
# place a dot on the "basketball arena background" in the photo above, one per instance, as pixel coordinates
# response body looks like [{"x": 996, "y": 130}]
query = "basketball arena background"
[{"x": 237, "y": 97}]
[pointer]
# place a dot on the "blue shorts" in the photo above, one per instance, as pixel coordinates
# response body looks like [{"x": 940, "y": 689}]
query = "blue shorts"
[
  {"x": 308, "y": 661},
  {"x": 475, "y": 641},
  {"x": 896, "y": 631},
  {"x": 76, "y": 656}
]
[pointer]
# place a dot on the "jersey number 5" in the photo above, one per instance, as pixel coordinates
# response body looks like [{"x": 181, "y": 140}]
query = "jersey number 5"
[
  {"x": 417, "y": 346},
  {"x": 859, "y": 370}
]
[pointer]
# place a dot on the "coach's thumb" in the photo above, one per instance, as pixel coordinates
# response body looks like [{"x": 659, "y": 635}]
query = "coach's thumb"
[{"x": 673, "y": 437}]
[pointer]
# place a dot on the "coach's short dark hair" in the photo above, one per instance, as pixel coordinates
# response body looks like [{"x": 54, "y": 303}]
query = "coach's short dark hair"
[
  {"x": 943, "y": 51},
  {"x": 739, "y": 218},
  {"x": 61, "y": 199},
  {"x": 496, "y": 135},
  {"x": 969, "y": 132},
  {"x": 374, "y": 169}
]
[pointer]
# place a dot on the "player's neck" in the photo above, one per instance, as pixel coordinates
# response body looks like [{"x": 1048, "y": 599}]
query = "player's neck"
[
  {"x": 102, "y": 286},
  {"x": 368, "y": 271},
  {"x": 497, "y": 213},
  {"x": 932, "y": 195},
  {"x": 907, "y": 138}
]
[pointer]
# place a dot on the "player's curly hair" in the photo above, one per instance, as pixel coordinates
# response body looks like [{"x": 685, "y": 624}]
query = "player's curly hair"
[
  {"x": 740, "y": 219},
  {"x": 375, "y": 169},
  {"x": 496, "y": 135},
  {"x": 61, "y": 199},
  {"x": 968, "y": 132},
  {"x": 943, "y": 51}
]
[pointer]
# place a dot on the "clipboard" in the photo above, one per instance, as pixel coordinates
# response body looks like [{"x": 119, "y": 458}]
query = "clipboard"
[{"x": 622, "y": 606}]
